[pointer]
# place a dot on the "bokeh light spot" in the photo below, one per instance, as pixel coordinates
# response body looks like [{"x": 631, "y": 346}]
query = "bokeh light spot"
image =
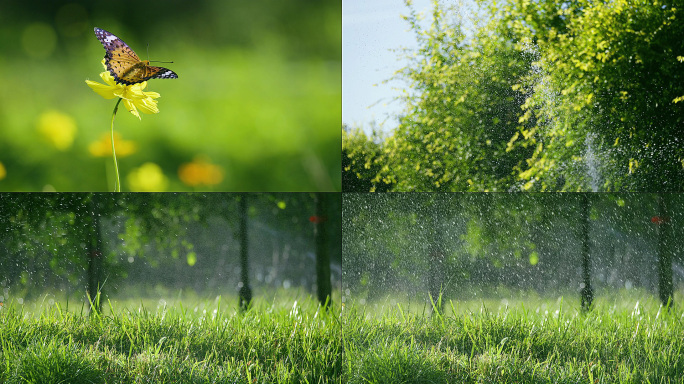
[{"x": 39, "y": 40}]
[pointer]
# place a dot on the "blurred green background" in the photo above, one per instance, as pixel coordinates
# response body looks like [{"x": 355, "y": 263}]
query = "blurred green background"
[{"x": 256, "y": 107}]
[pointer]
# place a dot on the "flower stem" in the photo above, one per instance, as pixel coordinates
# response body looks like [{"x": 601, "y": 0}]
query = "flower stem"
[{"x": 117, "y": 184}]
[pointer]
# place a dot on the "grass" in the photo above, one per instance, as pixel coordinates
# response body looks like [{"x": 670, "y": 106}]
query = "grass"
[
  {"x": 270, "y": 343},
  {"x": 624, "y": 339}
]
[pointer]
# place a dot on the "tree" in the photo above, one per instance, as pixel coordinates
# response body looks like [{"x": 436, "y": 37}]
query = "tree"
[
  {"x": 360, "y": 161},
  {"x": 94, "y": 250},
  {"x": 245, "y": 292},
  {"x": 62, "y": 235},
  {"x": 541, "y": 96},
  {"x": 665, "y": 289},
  {"x": 587, "y": 292},
  {"x": 85, "y": 241},
  {"x": 321, "y": 240},
  {"x": 457, "y": 244},
  {"x": 605, "y": 91},
  {"x": 461, "y": 111}
]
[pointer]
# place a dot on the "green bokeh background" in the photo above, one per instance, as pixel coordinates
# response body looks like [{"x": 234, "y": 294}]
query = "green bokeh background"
[{"x": 258, "y": 93}]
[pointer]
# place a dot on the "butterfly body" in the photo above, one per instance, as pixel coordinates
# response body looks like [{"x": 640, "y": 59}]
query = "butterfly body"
[{"x": 124, "y": 65}]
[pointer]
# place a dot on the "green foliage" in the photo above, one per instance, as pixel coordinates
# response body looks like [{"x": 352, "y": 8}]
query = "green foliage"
[
  {"x": 542, "y": 96},
  {"x": 361, "y": 161},
  {"x": 462, "y": 110},
  {"x": 607, "y": 77}
]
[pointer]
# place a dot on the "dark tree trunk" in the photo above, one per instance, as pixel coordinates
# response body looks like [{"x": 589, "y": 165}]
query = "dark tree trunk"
[
  {"x": 436, "y": 274},
  {"x": 245, "y": 290},
  {"x": 664, "y": 255},
  {"x": 587, "y": 292},
  {"x": 93, "y": 241},
  {"x": 436, "y": 267},
  {"x": 323, "y": 284}
]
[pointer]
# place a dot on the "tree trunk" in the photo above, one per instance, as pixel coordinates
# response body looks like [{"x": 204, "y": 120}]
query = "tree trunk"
[
  {"x": 245, "y": 290},
  {"x": 664, "y": 255},
  {"x": 93, "y": 241},
  {"x": 587, "y": 292},
  {"x": 435, "y": 274},
  {"x": 436, "y": 258},
  {"x": 323, "y": 284}
]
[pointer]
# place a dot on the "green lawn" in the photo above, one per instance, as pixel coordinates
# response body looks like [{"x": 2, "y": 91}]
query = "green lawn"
[
  {"x": 208, "y": 342},
  {"x": 624, "y": 339}
]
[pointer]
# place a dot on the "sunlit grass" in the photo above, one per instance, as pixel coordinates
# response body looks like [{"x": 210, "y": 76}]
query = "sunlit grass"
[
  {"x": 153, "y": 340},
  {"x": 624, "y": 339}
]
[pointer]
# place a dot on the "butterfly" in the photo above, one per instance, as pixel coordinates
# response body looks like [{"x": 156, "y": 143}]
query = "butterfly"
[{"x": 124, "y": 65}]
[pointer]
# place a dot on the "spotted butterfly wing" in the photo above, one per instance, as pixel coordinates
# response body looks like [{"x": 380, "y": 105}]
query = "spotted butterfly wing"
[{"x": 124, "y": 65}]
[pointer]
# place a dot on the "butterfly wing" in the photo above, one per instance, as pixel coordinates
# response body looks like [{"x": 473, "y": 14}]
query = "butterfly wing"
[
  {"x": 124, "y": 65},
  {"x": 119, "y": 57},
  {"x": 140, "y": 72},
  {"x": 152, "y": 72}
]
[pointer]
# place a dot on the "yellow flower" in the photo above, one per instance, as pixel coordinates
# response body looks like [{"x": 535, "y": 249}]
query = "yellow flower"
[
  {"x": 149, "y": 177},
  {"x": 133, "y": 95},
  {"x": 199, "y": 172},
  {"x": 3, "y": 171},
  {"x": 58, "y": 128},
  {"x": 103, "y": 147}
]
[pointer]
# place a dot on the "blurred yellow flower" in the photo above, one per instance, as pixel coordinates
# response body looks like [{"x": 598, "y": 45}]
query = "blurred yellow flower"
[
  {"x": 200, "y": 172},
  {"x": 133, "y": 96},
  {"x": 149, "y": 177},
  {"x": 57, "y": 128},
  {"x": 103, "y": 147},
  {"x": 3, "y": 171}
]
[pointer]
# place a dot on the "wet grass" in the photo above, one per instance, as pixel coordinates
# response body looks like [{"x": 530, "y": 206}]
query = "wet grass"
[
  {"x": 270, "y": 343},
  {"x": 622, "y": 340}
]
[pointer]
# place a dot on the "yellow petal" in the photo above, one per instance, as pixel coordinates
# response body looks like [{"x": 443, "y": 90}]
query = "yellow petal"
[
  {"x": 105, "y": 91},
  {"x": 147, "y": 105},
  {"x": 109, "y": 79},
  {"x": 131, "y": 108},
  {"x": 153, "y": 95}
]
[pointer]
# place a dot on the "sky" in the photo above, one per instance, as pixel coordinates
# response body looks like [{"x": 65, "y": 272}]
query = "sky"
[{"x": 370, "y": 30}]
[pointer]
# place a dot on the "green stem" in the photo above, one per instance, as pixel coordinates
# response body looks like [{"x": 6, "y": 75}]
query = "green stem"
[{"x": 117, "y": 184}]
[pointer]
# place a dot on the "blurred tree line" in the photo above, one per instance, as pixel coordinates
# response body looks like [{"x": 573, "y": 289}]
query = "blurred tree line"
[
  {"x": 305, "y": 26},
  {"x": 467, "y": 244},
  {"x": 535, "y": 96},
  {"x": 77, "y": 241}
]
